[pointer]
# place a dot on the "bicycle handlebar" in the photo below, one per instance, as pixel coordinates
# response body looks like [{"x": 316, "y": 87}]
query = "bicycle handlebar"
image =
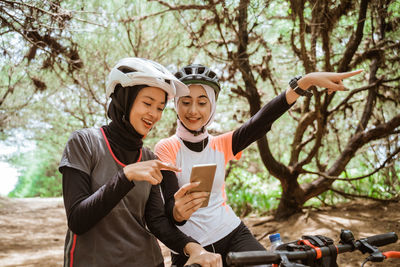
[
  {"x": 263, "y": 257},
  {"x": 382, "y": 239}
]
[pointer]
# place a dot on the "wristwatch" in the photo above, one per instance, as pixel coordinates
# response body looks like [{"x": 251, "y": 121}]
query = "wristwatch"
[{"x": 293, "y": 84}]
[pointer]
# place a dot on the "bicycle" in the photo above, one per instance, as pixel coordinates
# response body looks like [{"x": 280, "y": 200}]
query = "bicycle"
[
  {"x": 347, "y": 243},
  {"x": 289, "y": 254}
]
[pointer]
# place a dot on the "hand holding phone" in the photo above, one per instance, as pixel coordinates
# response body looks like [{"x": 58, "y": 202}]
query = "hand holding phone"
[
  {"x": 203, "y": 173},
  {"x": 187, "y": 202}
]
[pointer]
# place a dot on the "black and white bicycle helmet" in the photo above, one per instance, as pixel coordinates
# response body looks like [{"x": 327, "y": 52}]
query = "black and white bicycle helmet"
[
  {"x": 139, "y": 71},
  {"x": 197, "y": 73}
]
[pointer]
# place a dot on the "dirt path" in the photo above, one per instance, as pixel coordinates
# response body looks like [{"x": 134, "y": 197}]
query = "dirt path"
[{"x": 33, "y": 230}]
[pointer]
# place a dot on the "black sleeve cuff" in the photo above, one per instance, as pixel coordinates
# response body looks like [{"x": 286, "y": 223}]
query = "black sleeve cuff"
[
  {"x": 179, "y": 223},
  {"x": 124, "y": 180},
  {"x": 282, "y": 99}
]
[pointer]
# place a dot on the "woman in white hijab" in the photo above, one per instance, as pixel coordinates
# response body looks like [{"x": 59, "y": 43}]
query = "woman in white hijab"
[{"x": 216, "y": 227}]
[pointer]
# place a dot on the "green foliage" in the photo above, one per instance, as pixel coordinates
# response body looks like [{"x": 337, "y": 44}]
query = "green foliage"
[
  {"x": 379, "y": 186},
  {"x": 251, "y": 191},
  {"x": 39, "y": 177}
]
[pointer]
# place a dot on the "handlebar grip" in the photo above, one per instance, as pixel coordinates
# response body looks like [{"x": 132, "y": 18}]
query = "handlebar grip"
[
  {"x": 382, "y": 239},
  {"x": 252, "y": 257}
]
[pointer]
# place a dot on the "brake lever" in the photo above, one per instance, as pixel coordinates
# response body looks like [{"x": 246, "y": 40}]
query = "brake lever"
[{"x": 286, "y": 263}]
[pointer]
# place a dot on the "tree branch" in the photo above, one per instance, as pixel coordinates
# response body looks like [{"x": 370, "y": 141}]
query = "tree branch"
[
  {"x": 347, "y": 195},
  {"x": 371, "y": 98},
  {"x": 360, "y": 139},
  {"x": 388, "y": 159},
  {"x": 298, "y": 8},
  {"x": 356, "y": 142},
  {"x": 355, "y": 39},
  {"x": 354, "y": 92},
  {"x": 305, "y": 120},
  {"x": 172, "y": 8}
]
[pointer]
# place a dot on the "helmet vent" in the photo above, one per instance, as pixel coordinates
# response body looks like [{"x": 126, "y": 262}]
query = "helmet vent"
[
  {"x": 212, "y": 74},
  {"x": 126, "y": 69},
  {"x": 188, "y": 70}
]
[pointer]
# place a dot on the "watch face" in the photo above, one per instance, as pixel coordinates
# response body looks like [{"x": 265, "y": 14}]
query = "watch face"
[{"x": 293, "y": 83}]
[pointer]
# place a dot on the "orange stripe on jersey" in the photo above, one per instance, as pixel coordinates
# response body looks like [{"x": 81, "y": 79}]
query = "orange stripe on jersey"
[
  {"x": 223, "y": 144},
  {"x": 224, "y": 197},
  {"x": 167, "y": 149}
]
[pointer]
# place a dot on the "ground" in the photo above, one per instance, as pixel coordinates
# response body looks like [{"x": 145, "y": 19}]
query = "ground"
[{"x": 32, "y": 230}]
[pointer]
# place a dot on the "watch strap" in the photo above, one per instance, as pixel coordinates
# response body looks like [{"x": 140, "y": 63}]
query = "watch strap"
[{"x": 293, "y": 84}]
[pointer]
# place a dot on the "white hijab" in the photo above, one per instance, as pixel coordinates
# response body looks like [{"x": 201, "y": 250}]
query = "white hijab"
[{"x": 202, "y": 133}]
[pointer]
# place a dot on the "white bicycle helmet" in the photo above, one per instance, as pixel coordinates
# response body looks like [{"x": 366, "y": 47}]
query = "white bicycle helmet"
[{"x": 139, "y": 71}]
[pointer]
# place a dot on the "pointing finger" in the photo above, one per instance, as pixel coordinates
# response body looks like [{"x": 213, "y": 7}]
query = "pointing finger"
[
  {"x": 350, "y": 73},
  {"x": 168, "y": 166}
]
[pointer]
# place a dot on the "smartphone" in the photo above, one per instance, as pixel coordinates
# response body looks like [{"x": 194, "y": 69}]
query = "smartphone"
[{"x": 203, "y": 173}]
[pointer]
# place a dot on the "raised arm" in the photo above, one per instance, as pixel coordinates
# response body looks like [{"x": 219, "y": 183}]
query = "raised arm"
[
  {"x": 258, "y": 125},
  {"x": 331, "y": 80}
]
